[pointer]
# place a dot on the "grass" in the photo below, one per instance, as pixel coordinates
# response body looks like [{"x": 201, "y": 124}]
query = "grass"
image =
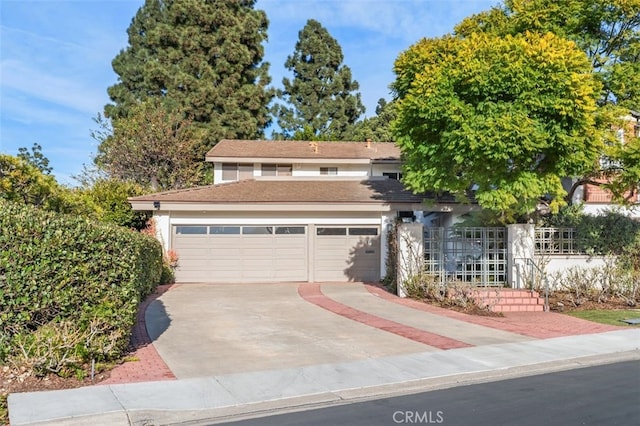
[{"x": 608, "y": 316}]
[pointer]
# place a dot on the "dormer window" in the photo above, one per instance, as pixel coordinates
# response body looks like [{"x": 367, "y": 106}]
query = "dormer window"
[
  {"x": 329, "y": 171},
  {"x": 276, "y": 169},
  {"x": 235, "y": 171}
]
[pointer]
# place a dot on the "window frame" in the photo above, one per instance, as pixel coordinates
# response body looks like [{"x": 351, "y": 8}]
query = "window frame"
[
  {"x": 274, "y": 169},
  {"x": 328, "y": 171},
  {"x": 237, "y": 171}
]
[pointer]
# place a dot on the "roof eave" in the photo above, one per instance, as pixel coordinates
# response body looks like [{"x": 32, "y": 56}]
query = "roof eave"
[
  {"x": 319, "y": 160},
  {"x": 283, "y": 207}
]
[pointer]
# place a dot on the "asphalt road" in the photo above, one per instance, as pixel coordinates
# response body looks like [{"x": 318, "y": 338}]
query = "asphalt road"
[{"x": 601, "y": 395}]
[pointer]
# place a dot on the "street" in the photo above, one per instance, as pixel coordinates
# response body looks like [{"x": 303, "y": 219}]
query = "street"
[{"x": 601, "y": 395}]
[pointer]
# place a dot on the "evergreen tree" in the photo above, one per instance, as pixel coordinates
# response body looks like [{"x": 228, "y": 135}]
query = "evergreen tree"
[
  {"x": 35, "y": 158},
  {"x": 202, "y": 57},
  {"x": 322, "y": 95},
  {"x": 376, "y": 128}
]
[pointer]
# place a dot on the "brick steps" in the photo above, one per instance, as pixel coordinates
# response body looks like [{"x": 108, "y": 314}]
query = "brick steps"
[{"x": 509, "y": 300}]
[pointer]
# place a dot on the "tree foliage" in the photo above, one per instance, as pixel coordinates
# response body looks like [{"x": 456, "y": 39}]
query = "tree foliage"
[
  {"x": 377, "y": 128},
  {"x": 201, "y": 57},
  {"x": 106, "y": 201},
  {"x": 154, "y": 147},
  {"x": 608, "y": 31},
  {"x": 24, "y": 183},
  {"x": 322, "y": 97},
  {"x": 506, "y": 117}
]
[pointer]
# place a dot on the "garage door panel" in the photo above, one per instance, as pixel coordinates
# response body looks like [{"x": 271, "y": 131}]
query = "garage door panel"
[
  {"x": 339, "y": 256},
  {"x": 191, "y": 243},
  {"x": 290, "y": 253},
  {"x": 224, "y": 265}
]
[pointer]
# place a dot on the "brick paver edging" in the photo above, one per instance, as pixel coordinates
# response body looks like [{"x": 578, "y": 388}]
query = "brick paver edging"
[
  {"x": 539, "y": 325},
  {"x": 312, "y": 293},
  {"x": 147, "y": 365}
]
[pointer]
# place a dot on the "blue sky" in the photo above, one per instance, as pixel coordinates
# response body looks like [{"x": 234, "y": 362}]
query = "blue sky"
[{"x": 55, "y": 59}]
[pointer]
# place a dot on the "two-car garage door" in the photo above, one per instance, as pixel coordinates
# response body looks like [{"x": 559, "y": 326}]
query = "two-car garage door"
[
  {"x": 256, "y": 253},
  {"x": 241, "y": 253}
]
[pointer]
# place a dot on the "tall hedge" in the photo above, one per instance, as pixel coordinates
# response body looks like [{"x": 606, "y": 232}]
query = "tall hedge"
[{"x": 70, "y": 280}]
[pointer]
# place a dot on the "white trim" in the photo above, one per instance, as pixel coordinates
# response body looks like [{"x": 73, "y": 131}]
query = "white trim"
[
  {"x": 274, "y": 221},
  {"x": 280, "y": 207},
  {"x": 319, "y": 160}
]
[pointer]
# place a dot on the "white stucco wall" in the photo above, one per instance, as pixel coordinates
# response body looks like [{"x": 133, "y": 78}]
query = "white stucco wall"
[
  {"x": 379, "y": 169},
  {"x": 601, "y": 209},
  {"x": 410, "y": 254},
  {"x": 313, "y": 169},
  {"x": 387, "y": 221},
  {"x": 347, "y": 170},
  {"x": 560, "y": 264},
  {"x": 163, "y": 229}
]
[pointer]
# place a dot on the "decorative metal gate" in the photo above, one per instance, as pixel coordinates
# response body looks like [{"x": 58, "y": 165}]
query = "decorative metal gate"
[{"x": 474, "y": 255}]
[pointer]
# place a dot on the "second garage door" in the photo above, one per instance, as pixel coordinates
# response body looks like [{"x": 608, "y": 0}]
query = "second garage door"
[
  {"x": 347, "y": 253},
  {"x": 240, "y": 253}
]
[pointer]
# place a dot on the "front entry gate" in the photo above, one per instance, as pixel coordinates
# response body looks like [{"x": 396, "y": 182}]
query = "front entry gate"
[{"x": 473, "y": 255}]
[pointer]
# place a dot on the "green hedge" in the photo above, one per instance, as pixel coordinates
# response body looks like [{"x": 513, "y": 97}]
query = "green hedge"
[
  {"x": 69, "y": 287},
  {"x": 609, "y": 233}
]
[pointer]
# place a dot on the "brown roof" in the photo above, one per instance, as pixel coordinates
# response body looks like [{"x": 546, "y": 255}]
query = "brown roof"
[
  {"x": 232, "y": 148},
  {"x": 376, "y": 191}
]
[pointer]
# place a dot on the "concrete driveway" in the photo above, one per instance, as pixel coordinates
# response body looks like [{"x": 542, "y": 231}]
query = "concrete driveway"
[{"x": 212, "y": 329}]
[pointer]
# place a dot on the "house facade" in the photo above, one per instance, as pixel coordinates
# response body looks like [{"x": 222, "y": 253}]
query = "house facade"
[
  {"x": 290, "y": 211},
  {"x": 597, "y": 200}
]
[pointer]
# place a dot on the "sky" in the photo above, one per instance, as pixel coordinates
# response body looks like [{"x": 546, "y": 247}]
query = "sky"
[{"x": 55, "y": 59}]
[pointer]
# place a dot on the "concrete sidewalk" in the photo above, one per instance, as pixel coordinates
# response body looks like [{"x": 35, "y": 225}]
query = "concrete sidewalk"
[{"x": 222, "y": 397}]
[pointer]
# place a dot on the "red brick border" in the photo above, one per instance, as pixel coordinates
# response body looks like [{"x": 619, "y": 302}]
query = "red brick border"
[
  {"x": 313, "y": 294},
  {"x": 539, "y": 325},
  {"x": 147, "y": 365}
]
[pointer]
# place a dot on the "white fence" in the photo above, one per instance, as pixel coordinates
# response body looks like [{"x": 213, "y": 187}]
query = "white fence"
[{"x": 518, "y": 256}]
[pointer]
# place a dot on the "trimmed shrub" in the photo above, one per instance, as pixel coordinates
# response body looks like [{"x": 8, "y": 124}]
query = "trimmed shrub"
[
  {"x": 610, "y": 233},
  {"x": 71, "y": 278}
]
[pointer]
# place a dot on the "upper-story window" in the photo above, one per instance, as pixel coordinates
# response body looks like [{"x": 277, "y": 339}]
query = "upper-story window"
[
  {"x": 235, "y": 171},
  {"x": 276, "y": 169},
  {"x": 330, "y": 171},
  {"x": 393, "y": 175}
]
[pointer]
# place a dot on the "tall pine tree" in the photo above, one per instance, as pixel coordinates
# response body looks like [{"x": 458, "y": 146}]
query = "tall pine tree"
[
  {"x": 201, "y": 57},
  {"x": 322, "y": 97}
]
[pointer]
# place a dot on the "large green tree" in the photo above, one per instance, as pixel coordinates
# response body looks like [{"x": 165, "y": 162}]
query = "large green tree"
[
  {"x": 201, "y": 57},
  {"x": 321, "y": 101},
  {"x": 505, "y": 117},
  {"x": 608, "y": 31}
]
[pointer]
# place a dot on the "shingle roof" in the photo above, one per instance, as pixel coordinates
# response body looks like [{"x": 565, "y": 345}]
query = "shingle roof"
[
  {"x": 376, "y": 191},
  {"x": 233, "y": 148}
]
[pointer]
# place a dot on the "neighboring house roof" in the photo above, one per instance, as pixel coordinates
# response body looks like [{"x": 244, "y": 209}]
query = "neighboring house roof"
[
  {"x": 325, "y": 192},
  {"x": 303, "y": 150}
]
